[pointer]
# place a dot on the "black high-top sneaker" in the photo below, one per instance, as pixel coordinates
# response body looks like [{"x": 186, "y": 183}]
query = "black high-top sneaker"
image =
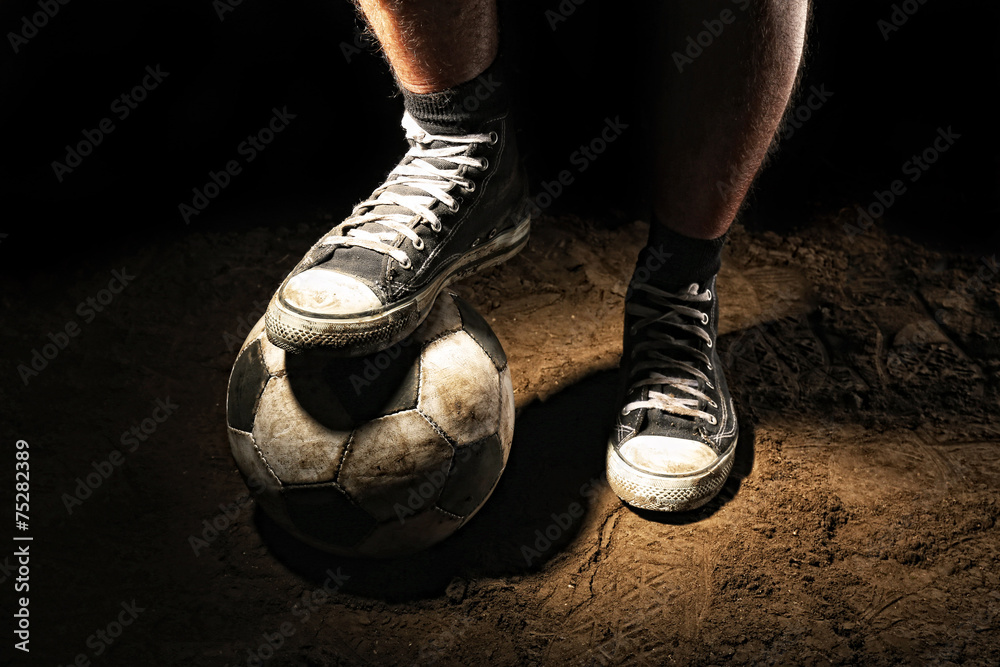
[
  {"x": 454, "y": 205},
  {"x": 675, "y": 437}
]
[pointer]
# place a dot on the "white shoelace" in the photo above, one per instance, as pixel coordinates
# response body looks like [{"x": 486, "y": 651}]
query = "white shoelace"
[
  {"x": 684, "y": 399},
  {"x": 419, "y": 175}
]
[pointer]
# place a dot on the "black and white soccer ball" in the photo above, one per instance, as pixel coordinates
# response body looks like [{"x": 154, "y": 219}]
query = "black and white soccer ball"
[{"x": 381, "y": 455}]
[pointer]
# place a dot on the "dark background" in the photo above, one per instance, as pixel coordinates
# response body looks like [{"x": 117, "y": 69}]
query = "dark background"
[{"x": 225, "y": 76}]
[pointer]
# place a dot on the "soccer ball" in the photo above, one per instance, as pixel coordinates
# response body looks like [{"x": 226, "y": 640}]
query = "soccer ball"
[{"x": 381, "y": 455}]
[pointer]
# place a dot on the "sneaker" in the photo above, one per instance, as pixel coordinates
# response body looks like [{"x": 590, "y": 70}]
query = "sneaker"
[
  {"x": 673, "y": 445},
  {"x": 454, "y": 205}
]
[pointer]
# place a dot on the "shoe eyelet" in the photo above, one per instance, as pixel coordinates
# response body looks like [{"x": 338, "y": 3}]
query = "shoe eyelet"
[
  {"x": 454, "y": 207},
  {"x": 406, "y": 265},
  {"x": 710, "y": 344},
  {"x": 484, "y": 164},
  {"x": 710, "y": 367},
  {"x": 713, "y": 404},
  {"x": 712, "y": 420},
  {"x": 418, "y": 244},
  {"x": 704, "y": 318},
  {"x": 435, "y": 227},
  {"x": 494, "y": 138},
  {"x": 624, "y": 412},
  {"x": 709, "y": 293},
  {"x": 470, "y": 186}
]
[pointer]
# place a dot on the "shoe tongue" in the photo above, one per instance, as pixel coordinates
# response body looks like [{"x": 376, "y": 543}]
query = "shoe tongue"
[
  {"x": 414, "y": 127},
  {"x": 387, "y": 209},
  {"x": 362, "y": 261},
  {"x": 441, "y": 163},
  {"x": 411, "y": 191},
  {"x": 666, "y": 422},
  {"x": 667, "y": 389},
  {"x": 657, "y": 418}
]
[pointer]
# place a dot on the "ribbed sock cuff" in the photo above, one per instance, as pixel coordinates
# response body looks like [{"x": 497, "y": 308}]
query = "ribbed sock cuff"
[
  {"x": 464, "y": 108},
  {"x": 673, "y": 261}
]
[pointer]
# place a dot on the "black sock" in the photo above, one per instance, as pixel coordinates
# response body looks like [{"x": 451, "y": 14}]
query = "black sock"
[
  {"x": 673, "y": 261},
  {"x": 464, "y": 108}
]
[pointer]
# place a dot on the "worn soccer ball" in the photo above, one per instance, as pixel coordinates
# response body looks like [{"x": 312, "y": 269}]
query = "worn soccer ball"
[{"x": 381, "y": 455}]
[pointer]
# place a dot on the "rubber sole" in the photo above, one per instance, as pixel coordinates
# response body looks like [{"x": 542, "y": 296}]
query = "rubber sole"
[
  {"x": 294, "y": 331},
  {"x": 667, "y": 493}
]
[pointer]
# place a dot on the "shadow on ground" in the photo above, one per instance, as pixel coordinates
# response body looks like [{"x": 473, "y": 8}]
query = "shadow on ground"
[{"x": 557, "y": 459}]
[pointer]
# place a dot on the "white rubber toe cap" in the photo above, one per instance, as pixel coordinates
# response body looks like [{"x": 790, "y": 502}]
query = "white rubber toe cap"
[
  {"x": 661, "y": 455},
  {"x": 324, "y": 292}
]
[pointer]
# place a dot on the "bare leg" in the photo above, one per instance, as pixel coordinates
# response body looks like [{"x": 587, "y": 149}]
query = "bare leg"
[
  {"x": 718, "y": 114},
  {"x": 433, "y": 45},
  {"x": 676, "y": 434}
]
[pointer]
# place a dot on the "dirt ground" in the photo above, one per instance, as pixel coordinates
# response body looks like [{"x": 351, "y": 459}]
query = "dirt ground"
[{"x": 859, "y": 525}]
